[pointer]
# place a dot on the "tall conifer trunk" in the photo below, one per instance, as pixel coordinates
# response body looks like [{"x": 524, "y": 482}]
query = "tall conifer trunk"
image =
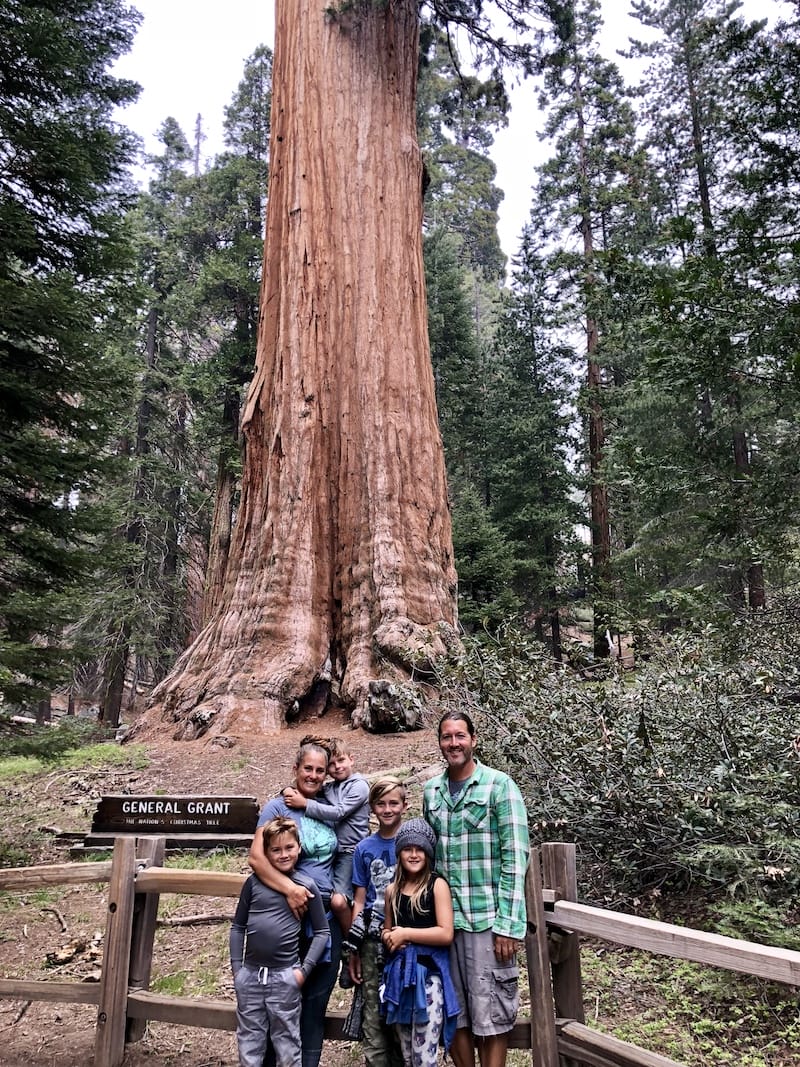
[{"x": 341, "y": 568}]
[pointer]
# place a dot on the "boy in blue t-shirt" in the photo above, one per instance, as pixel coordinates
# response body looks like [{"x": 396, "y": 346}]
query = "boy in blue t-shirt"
[{"x": 373, "y": 869}]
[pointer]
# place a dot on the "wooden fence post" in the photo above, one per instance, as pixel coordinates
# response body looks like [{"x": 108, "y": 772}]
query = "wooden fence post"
[
  {"x": 109, "y": 1046},
  {"x": 150, "y": 853},
  {"x": 544, "y": 1047},
  {"x": 560, "y": 874}
]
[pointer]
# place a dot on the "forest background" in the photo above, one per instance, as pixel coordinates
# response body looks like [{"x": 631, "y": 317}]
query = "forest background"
[{"x": 618, "y": 405}]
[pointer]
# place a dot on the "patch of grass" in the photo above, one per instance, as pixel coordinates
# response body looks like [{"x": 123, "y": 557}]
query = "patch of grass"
[
  {"x": 694, "y": 1014},
  {"x": 49, "y": 742},
  {"x": 172, "y": 985},
  {"x": 107, "y": 754},
  {"x": 11, "y": 855},
  {"x": 94, "y": 756},
  {"x": 43, "y": 897},
  {"x": 200, "y": 980},
  {"x": 12, "y": 767},
  {"x": 226, "y": 860}
]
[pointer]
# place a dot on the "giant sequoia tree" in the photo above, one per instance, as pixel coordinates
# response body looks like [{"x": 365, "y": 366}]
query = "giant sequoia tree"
[{"x": 340, "y": 576}]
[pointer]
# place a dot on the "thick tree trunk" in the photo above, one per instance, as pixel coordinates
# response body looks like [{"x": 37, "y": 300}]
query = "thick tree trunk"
[
  {"x": 341, "y": 572},
  {"x": 219, "y": 542}
]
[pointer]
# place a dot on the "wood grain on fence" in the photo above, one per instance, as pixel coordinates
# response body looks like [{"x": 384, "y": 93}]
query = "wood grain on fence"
[
  {"x": 763, "y": 961},
  {"x": 19, "y": 878},
  {"x": 145, "y": 914},
  {"x": 560, "y": 873},
  {"x": 543, "y": 1044},
  {"x": 193, "y": 883},
  {"x": 109, "y": 1046},
  {"x": 52, "y": 992}
]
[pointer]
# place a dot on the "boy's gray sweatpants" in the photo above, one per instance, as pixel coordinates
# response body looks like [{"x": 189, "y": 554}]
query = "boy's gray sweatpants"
[{"x": 267, "y": 1009}]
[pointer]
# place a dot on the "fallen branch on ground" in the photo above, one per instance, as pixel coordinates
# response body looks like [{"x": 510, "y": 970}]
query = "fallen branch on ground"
[{"x": 194, "y": 920}]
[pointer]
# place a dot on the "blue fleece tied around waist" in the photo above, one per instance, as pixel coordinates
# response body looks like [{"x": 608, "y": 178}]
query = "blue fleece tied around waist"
[{"x": 404, "y": 978}]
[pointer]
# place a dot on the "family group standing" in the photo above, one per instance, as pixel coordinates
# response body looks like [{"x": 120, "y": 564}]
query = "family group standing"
[{"x": 425, "y": 915}]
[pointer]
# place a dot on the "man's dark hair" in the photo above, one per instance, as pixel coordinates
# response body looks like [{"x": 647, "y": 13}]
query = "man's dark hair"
[{"x": 459, "y": 716}]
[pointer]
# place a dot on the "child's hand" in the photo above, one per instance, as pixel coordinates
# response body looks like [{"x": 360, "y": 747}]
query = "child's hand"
[
  {"x": 354, "y": 967},
  {"x": 396, "y": 938},
  {"x": 293, "y": 798},
  {"x": 299, "y": 976}
]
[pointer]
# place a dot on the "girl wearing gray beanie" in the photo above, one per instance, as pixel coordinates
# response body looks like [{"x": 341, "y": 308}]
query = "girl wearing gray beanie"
[{"x": 419, "y": 998}]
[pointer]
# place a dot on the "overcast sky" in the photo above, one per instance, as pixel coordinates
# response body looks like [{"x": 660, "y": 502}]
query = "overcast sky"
[{"x": 189, "y": 55}]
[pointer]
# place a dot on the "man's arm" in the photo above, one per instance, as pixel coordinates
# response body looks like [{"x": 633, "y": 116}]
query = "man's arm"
[
  {"x": 297, "y": 896},
  {"x": 514, "y": 847}
]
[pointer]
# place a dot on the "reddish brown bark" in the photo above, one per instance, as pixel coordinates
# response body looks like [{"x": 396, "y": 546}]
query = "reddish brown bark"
[{"x": 341, "y": 567}]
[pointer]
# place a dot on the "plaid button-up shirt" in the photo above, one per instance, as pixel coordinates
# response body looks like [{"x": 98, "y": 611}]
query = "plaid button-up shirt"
[{"x": 482, "y": 849}]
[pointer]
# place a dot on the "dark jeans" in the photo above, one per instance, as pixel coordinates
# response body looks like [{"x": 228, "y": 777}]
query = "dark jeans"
[{"x": 315, "y": 996}]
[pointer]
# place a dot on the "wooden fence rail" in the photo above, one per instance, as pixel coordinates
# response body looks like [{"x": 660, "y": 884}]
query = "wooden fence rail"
[
  {"x": 775, "y": 964},
  {"x": 555, "y": 1034}
]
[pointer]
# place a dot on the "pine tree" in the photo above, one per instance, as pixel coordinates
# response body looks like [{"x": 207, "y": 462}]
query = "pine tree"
[
  {"x": 586, "y": 191},
  {"x": 62, "y": 265},
  {"x": 532, "y": 440},
  {"x": 457, "y": 115},
  {"x": 703, "y": 446}
]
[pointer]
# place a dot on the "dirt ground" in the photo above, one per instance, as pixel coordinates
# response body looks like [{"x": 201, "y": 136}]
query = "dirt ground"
[{"x": 188, "y": 960}]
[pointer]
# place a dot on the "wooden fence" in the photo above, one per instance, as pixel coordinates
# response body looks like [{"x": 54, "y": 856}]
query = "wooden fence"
[{"x": 555, "y": 1033}]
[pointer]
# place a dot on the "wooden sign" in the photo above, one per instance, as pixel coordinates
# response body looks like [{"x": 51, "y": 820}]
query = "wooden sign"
[{"x": 173, "y": 815}]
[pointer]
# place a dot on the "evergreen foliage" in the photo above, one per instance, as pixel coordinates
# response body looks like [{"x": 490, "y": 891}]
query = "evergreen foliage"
[
  {"x": 456, "y": 119},
  {"x": 706, "y": 422},
  {"x": 48, "y": 743},
  {"x": 683, "y": 777},
  {"x": 532, "y": 440},
  {"x": 199, "y": 239},
  {"x": 658, "y": 267},
  {"x": 586, "y": 216},
  {"x": 62, "y": 274}
]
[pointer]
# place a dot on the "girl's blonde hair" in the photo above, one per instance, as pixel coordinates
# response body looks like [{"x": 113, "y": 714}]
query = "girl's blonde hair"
[{"x": 415, "y": 898}]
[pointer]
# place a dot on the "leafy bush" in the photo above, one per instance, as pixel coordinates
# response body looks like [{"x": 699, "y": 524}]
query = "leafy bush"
[
  {"x": 684, "y": 773},
  {"x": 49, "y": 743}
]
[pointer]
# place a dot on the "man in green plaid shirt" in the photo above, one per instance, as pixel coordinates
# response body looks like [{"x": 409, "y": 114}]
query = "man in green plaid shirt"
[{"x": 482, "y": 850}]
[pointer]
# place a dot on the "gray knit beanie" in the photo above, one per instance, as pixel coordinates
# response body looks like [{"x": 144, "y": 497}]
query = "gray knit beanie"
[{"x": 416, "y": 832}]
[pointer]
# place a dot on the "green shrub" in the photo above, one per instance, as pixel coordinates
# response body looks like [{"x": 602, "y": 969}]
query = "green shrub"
[
  {"x": 684, "y": 773},
  {"x": 49, "y": 743}
]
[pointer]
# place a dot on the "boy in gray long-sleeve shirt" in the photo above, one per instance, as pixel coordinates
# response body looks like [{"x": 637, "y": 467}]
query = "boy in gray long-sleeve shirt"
[{"x": 265, "y": 955}]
